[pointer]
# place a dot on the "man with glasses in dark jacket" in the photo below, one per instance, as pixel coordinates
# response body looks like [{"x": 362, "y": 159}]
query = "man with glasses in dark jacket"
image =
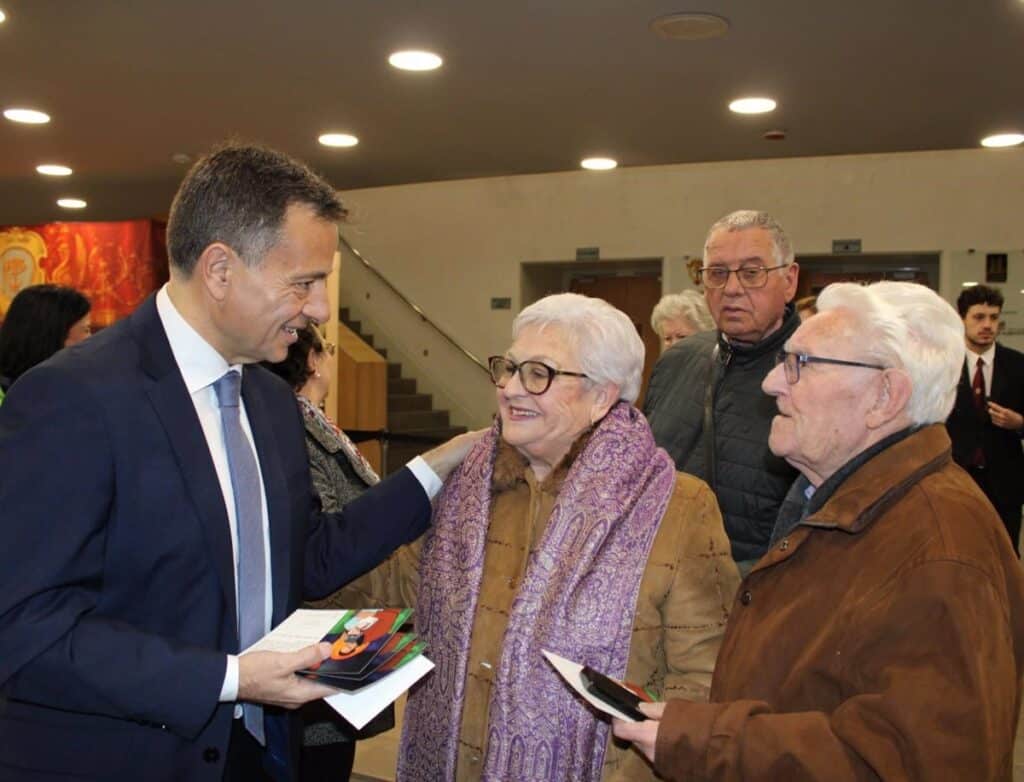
[{"x": 704, "y": 401}]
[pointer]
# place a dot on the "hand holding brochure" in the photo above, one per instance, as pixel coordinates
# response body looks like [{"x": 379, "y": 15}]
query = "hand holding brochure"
[
  {"x": 378, "y": 682},
  {"x": 618, "y": 699}
]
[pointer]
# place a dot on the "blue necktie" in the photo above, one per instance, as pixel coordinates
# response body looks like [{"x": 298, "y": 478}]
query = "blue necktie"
[{"x": 245, "y": 485}]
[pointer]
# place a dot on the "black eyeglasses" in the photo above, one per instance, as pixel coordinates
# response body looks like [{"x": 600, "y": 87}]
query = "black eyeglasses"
[
  {"x": 749, "y": 276},
  {"x": 792, "y": 362},
  {"x": 535, "y": 376}
]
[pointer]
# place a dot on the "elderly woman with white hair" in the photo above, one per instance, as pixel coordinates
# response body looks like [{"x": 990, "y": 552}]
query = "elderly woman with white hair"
[
  {"x": 565, "y": 529},
  {"x": 678, "y": 315}
]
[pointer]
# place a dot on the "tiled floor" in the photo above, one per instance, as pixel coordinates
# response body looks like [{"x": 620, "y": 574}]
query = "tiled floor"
[{"x": 375, "y": 758}]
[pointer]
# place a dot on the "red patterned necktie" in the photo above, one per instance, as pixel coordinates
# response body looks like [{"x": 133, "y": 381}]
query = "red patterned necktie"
[{"x": 980, "y": 404}]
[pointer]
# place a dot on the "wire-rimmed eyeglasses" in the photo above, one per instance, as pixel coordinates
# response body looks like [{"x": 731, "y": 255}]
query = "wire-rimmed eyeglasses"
[
  {"x": 791, "y": 363},
  {"x": 535, "y": 376},
  {"x": 749, "y": 276}
]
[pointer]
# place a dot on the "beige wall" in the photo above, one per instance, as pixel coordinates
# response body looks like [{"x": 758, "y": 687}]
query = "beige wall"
[{"x": 451, "y": 246}]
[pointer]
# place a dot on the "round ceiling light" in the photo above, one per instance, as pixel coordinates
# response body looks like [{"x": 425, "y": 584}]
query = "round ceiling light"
[
  {"x": 415, "y": 61},
  {"x": 3, "y": 17},
  {"x": 1003, "y": 140},
  {"x": 338, "y": 140},
  {"x": 27, "y": 116},
  {"x": 53, "y": 169},
  {"x": 598, "y": 163},
  {"x": 752, "y": 105},
  {"x": 71, "y": 203},
  {"x": 689, "y": 27}
]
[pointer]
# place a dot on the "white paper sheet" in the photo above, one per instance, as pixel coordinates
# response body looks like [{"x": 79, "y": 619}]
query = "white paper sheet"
[
  {"x": 307, "y": 626},
  {"x": 570, "y": 671}
]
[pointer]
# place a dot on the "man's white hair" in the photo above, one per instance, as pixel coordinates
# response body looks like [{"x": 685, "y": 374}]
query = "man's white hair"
[
  {"x": 906, "y": 325},
  {"x": 745, "y": 219},
  {"x": 604, "y": 339},
  {"x": 688, "y": 305}
]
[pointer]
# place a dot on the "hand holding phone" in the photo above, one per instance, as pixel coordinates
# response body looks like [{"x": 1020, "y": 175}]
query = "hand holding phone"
[{"x": 611, "y": 692}]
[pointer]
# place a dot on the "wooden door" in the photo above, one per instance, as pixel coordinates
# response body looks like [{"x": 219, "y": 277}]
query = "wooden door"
[{"x": 636, "y": 296}]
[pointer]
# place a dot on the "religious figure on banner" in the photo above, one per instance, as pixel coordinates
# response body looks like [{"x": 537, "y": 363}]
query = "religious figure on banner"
[{"x": 21, "y": 252}]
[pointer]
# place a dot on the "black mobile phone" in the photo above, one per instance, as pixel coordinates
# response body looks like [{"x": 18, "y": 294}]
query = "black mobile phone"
[{"x": 612, "y": 693}]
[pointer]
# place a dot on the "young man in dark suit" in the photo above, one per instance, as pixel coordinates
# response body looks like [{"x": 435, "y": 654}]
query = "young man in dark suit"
[
  {"x": 986, "y": 423},
  {"x": 157, "y": 512}
]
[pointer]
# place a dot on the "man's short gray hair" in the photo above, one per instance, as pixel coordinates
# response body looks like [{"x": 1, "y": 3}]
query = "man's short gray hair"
[
  {"x": 744, "y": 219},
  {"x": 604, "y": 339},
  {"x": 907, "y": 325},
  {"x": 688, "y": 305}
]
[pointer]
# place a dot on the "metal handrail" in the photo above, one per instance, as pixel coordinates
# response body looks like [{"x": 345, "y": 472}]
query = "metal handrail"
[{"x": 411, "y": 304}]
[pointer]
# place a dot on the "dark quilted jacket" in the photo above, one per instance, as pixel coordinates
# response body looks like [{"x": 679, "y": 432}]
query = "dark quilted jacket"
[{"x": 751, "y": 482}]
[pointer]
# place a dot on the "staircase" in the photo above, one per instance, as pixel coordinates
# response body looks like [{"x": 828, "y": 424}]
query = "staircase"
[{"x": 413, "y": 423}]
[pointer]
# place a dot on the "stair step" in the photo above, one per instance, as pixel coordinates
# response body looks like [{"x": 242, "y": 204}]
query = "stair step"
[
  {"x": 394, "y": 370},
  {"x": 355, "y": 325},
  {"x": 402, "y": 451},
  {"x": 401, "y": 385},
  {"x": 406, "y": 420},
  {"x": 344, "y": 314},
  {"x": 403, "y": 402},
  {"x": 381, "y": 352}
]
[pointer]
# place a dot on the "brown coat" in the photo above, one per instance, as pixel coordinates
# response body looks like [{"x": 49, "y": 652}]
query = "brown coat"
[
  {"x": 682, "y": 607},
  {"x": 882, "y": 639}
]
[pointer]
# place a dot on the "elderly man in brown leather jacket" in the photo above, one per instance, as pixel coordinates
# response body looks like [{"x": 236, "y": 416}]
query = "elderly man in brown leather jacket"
[{"x": 882, "y": 635}]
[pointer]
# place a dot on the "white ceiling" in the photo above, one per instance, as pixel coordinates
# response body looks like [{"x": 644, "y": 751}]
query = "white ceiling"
[{"x": 527, "y": 87}]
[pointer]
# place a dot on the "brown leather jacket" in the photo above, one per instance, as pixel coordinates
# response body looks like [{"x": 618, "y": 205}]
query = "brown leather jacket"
[
  {"x": 682, "y": 608},
  {"x": 881, "y": 639}
]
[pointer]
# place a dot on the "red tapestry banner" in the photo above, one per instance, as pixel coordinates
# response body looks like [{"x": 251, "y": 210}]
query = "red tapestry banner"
[{"x": 116, "y": 265}]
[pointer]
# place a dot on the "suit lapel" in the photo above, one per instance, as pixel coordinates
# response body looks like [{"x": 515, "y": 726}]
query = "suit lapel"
[
  {"x": 268, "y": 452},
  {"x": 999, "y": 377},
  {"x": 173, "y": 405}
]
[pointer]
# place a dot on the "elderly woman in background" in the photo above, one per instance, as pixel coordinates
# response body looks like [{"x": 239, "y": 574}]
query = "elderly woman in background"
[
  {"x": 678, "y": 315},
  {"x": 340, "y": 474},
  {"x": 41, "y": 320},
  {"x": 565, "y": 529}
]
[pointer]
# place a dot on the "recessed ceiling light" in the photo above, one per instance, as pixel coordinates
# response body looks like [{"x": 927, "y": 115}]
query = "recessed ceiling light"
[
  {"x": 1003, "y": 140},
  {"x": 28, "y": 116},
  {"x": 689, "y": 27},
  {"x": 338, "y": 140},
  {"x": 752, "y": 105},
  {"x": 415, "y": 61},
  {"x": 53, "y": 169},
  {"x": 3, "y": 17},
  {"x": 598, "y": 163},
  {"x": 71, "y": 203},
  {"x": 968, "y": 284}
]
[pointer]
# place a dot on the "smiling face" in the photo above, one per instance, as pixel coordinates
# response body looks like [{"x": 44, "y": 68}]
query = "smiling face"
[
  {"x": 543, "y": 427},
  {"x": 823, "y": 419},
  {"x": 261, "y": 307},
  {"x": 981, "y": 325},
  {"x": 748, "y": 315}
]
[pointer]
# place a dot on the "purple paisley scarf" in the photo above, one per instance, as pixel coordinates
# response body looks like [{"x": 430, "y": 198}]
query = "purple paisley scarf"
[{"x": 577, "y": 599}]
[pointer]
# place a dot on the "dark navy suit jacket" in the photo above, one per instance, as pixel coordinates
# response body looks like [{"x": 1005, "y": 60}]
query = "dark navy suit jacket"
[
  {"x": 117, "y": 604},
  {"x": 969, "y": 430}
]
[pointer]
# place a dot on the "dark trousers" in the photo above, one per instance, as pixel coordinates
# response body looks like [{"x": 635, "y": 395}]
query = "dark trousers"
[
  {"x": 327, "y": 762},
  {"x": 1010, "y": 514},
  {"x": 245, "y": 757}
]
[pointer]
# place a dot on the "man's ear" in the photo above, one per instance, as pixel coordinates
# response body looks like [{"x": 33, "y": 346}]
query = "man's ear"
[
  {"x": 605, "y": 397},
  {"x": 892, "y": 397},
  {"x": 215, "y": 267}
]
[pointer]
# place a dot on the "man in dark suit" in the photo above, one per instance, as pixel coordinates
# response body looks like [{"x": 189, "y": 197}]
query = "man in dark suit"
[
  {"x": 986, "y": 423},
  {"x": 157, "y": 512}
]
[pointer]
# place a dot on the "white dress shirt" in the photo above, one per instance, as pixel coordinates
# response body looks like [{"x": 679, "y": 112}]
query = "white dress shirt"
[
  {"x": 201, "y": 366},
  {"x": 986, "y": 371}
]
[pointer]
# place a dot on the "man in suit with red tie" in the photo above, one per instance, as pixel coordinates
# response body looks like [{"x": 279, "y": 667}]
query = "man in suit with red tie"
[{"x": 986, "y": 424}]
